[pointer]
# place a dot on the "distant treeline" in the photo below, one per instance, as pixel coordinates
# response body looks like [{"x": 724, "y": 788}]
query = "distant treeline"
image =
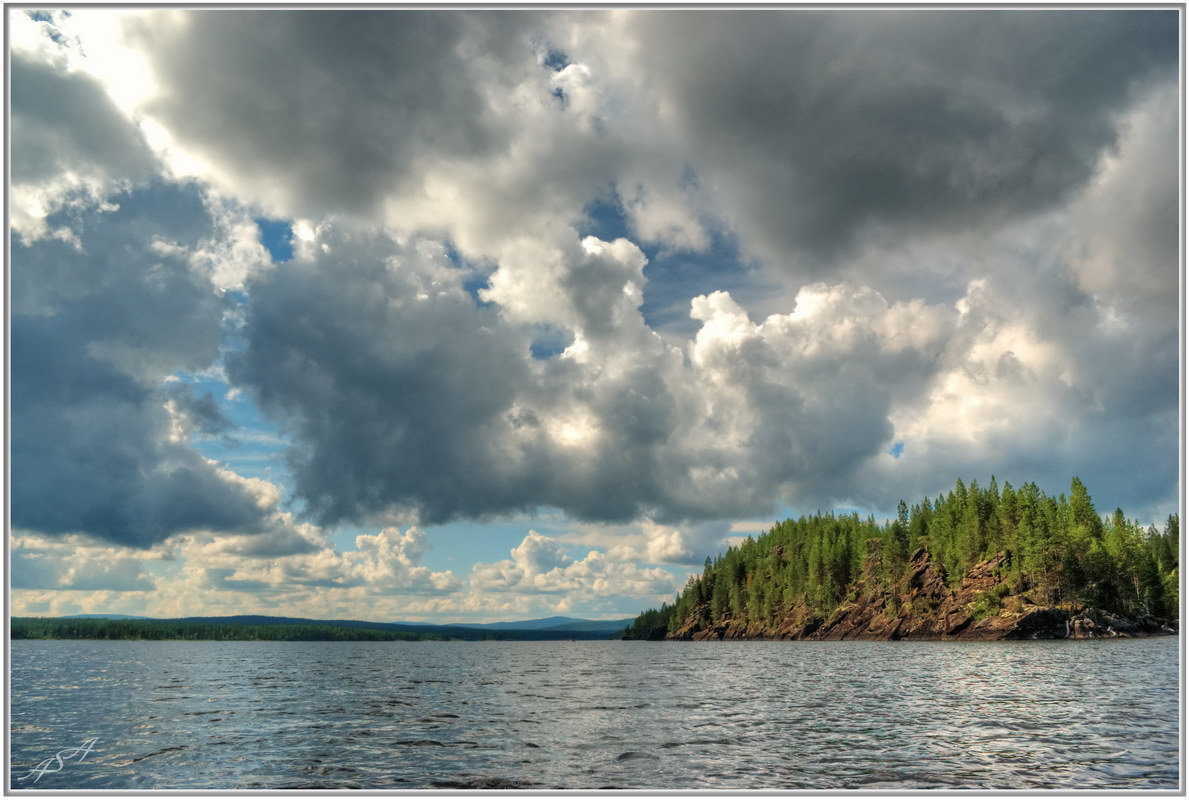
[
  {"x": 1059, "y": 550},
  {"x": 52, "y": 628},
  {"x": 261, "y": 628}
]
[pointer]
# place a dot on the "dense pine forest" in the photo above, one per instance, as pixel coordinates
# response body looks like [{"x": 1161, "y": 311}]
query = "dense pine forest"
[
  {"x": 287, "y": 629},
  {"x": 56, "y": 628},
  {"x": 1058, "y": 550}
]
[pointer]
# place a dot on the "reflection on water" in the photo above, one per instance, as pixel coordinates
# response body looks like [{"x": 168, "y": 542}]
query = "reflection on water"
[{"x": 665, "y": 715}]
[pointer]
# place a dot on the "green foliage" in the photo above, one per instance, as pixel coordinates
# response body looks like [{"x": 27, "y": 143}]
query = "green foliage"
[
  {"x": 989, "y": 603},
  {"x": 648, "y": 622},
  {"x": 54, "y": 628},
  {"x": 1057, "y": 549}
]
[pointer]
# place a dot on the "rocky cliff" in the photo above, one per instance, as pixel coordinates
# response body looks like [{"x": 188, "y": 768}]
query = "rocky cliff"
[{"x": 924, "y": 606}]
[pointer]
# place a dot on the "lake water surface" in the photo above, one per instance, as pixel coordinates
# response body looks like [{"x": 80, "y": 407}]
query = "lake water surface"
[{"x": 641, "y": 715}]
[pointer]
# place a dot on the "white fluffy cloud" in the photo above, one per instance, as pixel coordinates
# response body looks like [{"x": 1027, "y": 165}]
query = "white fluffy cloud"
[
  {"x": 539, "y": 565},
  {"x": 77, "y": 565}
]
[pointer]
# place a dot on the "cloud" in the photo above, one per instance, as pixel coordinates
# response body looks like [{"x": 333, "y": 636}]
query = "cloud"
[
  {"x": 192, "y": 413},
  {"x": 418, "y": 93},
  {"x": 1053, "y": 382},
  {"x": 77, "y": 565},
  {"x": 818, "y": 129},
  {"x": 800, "y": 407},
  {"x": 1126, "y": 223},
  {"x": 220, "y": 579},
  {"x": 538, "y": 554},
  {"x": 384, "y": 563},
  {"x": 74, "y": 144},
  {"x": 952, "y": 234},
  {"x": 816, "y": 135},
  {"x": 408, "y": 400},
  {"x": 393, "y": 383},
  {"x": 456, "y": 126},
  {"x": 282, "y": 538},
  {"x": 539, "y": 565},
  {"x": 95, "y": 330}
]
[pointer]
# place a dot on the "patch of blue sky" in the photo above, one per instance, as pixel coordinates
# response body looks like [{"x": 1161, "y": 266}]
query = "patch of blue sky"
[
  {"x": 254, "y": 447},
  {"x": 476, "y": 275},
  {"x": 555, "y": 60},
  {"x": 549, "y": 340},
  {"x": 620, "y": 606},
  {"x": 161, "y": 568},
  {"x": 236, "y": 297},
  {"x": 896, "y": 450},
  {"x": 473, "y": 284},
  {"x": 459, "y": 545},
  {"x": 675, "y": 277},
  {"x": 605, "y": 218},
  {"x": 50, "y": 30},
  {"x": 249, "y": 455},
  {"x": 277, "y": 238},
  {"x": 784, "y": 512},
  {"x": 174, "y": 211}
]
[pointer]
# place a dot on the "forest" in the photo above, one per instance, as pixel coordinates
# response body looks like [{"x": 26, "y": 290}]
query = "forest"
[
  {"x": 65, "y": 628},
  {"x": 288, "y": 629},
  {"x": 1059, "y": 550}
]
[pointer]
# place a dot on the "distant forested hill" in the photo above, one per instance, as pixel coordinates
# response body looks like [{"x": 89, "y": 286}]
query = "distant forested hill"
[
  {"x": 266, "y": 628},
  {"x": 976, "y": 561},
  {"x": 225, "y": 630}
]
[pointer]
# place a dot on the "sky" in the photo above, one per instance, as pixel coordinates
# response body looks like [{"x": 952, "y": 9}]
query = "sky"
[{"x": 489, "y": 315}]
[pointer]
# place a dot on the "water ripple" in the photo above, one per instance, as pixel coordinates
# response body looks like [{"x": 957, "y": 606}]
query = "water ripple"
[{"x": 626, "y": 715}]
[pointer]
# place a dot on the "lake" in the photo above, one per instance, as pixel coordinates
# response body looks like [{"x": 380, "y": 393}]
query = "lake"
[{"x": 644, "y": 715}]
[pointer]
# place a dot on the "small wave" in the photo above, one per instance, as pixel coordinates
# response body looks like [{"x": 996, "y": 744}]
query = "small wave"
[
  {"x": 485, "y": 783},
  {"x": 328, "y": 770},
  {"x": 148, "y": 755}
]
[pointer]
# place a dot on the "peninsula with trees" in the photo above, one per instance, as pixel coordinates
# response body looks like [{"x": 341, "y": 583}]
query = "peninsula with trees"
[{"x": 975, "y": 563}]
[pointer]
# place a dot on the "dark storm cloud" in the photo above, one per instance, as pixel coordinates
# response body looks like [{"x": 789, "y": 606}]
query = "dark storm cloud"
[
  {"x": 64, "y": 121},
  {"x": 319, "y": 110},
  {"x": 404, "y": 397},
  {"x": 200, "y": 412},
  {"x": 94, "y": 331},
  {"x": 818, "y": 127},
  {"x": 394, "y": 384}
]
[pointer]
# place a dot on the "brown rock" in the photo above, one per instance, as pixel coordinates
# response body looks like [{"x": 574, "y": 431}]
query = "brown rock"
[{"x": 923, "y": 606}]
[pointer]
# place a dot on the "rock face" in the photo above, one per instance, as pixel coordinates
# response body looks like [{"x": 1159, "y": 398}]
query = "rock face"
[{"x": 924, "y": 607}]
